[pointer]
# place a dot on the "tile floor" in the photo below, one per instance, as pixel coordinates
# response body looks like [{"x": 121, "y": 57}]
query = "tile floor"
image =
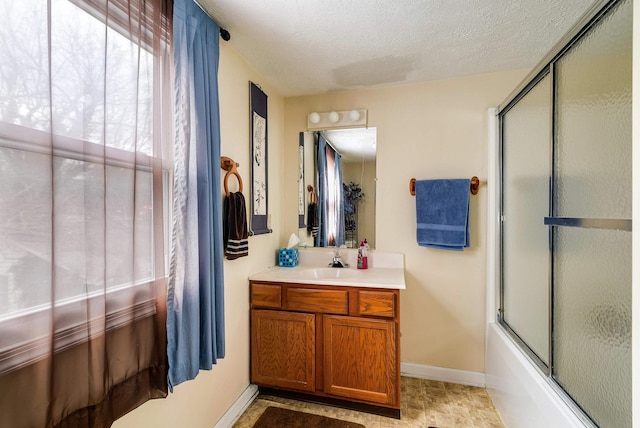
[{"x": 425, "y": 403}]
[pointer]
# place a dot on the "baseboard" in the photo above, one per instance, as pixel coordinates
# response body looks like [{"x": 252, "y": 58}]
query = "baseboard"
[
  {"x": 238, "y": 407},
  {"x": 441, "y": 374}
]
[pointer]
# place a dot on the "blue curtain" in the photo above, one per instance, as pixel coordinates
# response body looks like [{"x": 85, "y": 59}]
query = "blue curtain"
[
  {"x": 340, "y": 233},
  {"x": 321, "y": 156},
  {"x": 330, "y": 196},
  {"x": 195, "y": 301}
]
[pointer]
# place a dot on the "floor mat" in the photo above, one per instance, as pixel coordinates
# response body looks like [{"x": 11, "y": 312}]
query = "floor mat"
[{"x": 277, "y": 417}]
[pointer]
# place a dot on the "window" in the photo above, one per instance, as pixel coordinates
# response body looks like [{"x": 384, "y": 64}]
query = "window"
[{"x": 81, "y": 173}]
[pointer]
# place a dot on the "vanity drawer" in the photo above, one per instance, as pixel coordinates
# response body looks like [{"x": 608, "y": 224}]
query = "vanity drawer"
[
  {"x": 318, "y": 301},
  {"x": 266, "y": 295},
  {"x": 377, "y": 303}
]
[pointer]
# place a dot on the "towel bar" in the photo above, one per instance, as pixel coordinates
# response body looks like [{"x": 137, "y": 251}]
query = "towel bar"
[
  {"x": 590, "y": 223},
  {"x": 230, "y": 166},
  {"x": 475, "y": 185}
]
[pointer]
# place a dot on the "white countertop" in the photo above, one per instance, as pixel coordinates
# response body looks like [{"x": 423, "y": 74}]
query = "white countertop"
[
  {"x": 386, "y": 270},
  {"x": 392, "y": 278}
]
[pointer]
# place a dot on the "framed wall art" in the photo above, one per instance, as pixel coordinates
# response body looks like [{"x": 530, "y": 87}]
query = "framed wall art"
[{"x": 259, "y": 161}]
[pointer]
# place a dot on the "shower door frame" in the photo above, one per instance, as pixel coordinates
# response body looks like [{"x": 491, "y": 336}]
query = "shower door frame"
[{"x": 546, "y": 68}]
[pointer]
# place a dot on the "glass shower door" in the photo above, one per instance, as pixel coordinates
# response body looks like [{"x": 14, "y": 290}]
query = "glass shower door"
[
  {"x": 591, "y": 357},
  {"x": 566, "y": 213},
  {"x": 526, "y": 265}
]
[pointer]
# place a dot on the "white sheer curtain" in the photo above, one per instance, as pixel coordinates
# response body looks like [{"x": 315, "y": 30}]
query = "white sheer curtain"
[{"x": 83, "y": 105}]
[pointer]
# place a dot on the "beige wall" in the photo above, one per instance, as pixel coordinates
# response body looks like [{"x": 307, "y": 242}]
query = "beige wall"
[
  {"x": 202, "y": 402},
  {"x": 428, "y": 130}
]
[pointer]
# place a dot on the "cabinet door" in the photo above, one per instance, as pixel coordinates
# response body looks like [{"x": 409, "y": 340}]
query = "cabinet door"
[
  {"x": 360, "y": 359},
  {"x": 283, "y": 349}
]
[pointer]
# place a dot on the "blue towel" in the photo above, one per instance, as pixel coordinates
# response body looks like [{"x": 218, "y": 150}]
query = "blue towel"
[{"x": 442, "y": 214}]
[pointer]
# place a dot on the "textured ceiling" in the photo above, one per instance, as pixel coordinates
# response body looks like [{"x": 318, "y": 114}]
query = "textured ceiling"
[
  {"x": 357, "y": 144},
  {"x": 313, "y": 46}
]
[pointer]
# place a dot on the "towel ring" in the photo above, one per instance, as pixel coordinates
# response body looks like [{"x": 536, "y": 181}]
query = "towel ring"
[
  {"x": 230, "y": 166},
  {"x": 313, "y": 198},
  {"x": 474, "y": 186}
]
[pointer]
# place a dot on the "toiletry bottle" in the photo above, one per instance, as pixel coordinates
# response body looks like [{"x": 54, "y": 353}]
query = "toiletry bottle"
[
  {"x": 360, "y": 249},
  {"x": 364, "y": 246}
]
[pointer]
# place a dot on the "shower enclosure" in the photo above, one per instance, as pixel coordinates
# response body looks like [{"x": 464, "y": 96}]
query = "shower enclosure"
[{"x": 565, "y": 217}]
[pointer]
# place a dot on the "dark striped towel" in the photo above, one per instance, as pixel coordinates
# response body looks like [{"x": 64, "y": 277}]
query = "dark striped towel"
[
  {"x": 312, "y": 219},
  {"x": 235, "y": 228}
]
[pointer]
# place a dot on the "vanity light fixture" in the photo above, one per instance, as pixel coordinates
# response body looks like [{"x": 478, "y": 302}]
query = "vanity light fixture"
[
  {"x": 314, "y": 117},
  {"x": 337, "y": 119}
]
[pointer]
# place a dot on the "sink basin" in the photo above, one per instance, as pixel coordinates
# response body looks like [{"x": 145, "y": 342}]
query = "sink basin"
[{"x": 328, "y": 273}]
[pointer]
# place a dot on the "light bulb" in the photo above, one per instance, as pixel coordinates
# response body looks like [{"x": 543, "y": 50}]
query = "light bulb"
[
  {"x": 334, "y": 117},
  {"x": 314, "y": 117},
  {"x": 354, "y": 115}
]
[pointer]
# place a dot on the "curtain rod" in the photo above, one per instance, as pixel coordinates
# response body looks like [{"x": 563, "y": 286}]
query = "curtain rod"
[{"x": 226, "y": 36}]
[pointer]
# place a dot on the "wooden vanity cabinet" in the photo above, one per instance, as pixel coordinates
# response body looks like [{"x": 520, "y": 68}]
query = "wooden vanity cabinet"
[
  {"x": 360, "y": 359},
  {"x": 283, "y": 349},
  {"x": 329, "y": 341}
]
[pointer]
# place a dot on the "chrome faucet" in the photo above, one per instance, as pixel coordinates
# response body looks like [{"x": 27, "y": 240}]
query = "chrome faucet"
[{"x": 337, "y": 260}]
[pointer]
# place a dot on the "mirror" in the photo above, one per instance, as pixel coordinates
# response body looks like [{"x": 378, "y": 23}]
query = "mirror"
[{"x": 357, "y": 149}]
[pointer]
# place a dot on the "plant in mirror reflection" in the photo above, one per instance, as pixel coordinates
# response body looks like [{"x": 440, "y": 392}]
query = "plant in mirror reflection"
[{"x": 353, "y": 194}]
